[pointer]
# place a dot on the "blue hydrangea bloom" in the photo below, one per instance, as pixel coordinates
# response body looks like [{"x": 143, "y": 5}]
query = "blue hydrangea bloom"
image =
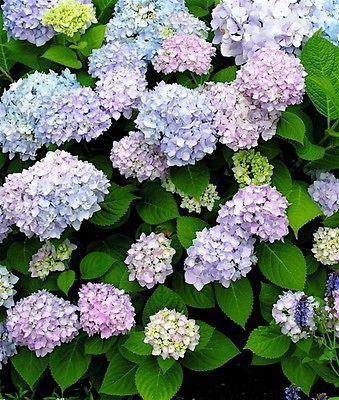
[
  {"x": 332, "y": 283},
  {"x": 302, "y": 312},
  {"x": 327, "y": 17},
  {"x": 7, "y": 345},
  {"x": 291, "y": 393}
]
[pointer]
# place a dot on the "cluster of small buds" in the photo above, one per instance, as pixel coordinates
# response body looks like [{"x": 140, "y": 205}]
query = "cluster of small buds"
[
  {"x": 294, "y": 312},
  {"x": 7, "y": 291},
  {"x": 171, "y": 333},
  {"x": 7, "y": 345},
  {"x": 105, "y": 310},
  {"x": 207, "y": 199},
  {"x": 50, "y": 258},
  {"x": 325, "y": 191},
  {"x": 149, "y": 260},
  {"x": 251, "y": 168},
  {"x": 42, "y": 321},
  {"x": 326, "y": 245},
  {"x": 292, "y": 393}
]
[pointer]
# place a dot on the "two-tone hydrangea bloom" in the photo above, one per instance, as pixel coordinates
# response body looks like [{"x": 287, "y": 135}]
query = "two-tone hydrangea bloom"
[
  {"x": 326, "y": 245},
  {"x": 292, "y": 393},
  {"x": 206, "y": 199},
  {"x": 50, "y": 258},
  {"x": 70, "y": 16},
  {"x": 105, "y": 310},
  {"x": 251, "y": 168},
  {"x": 58, "y": 191},
  {"x": 239, "y": 123},
  {"x": 171, "y": 334},
  {"x": 135, "y": 158},
  {"x": 42, "y": 321},
  {"x": 120, "y": 91},
  {"x": 222, "y": 253},
  {"x": 183, "y": 52},
  {"x": 7, "y": 345},
  {"x": 326, "y": 17},
  {"x": 260, "y": 210},
  {"x": 149, "y": 260},
  {"x": 179, "y": 120},
  {"x": 183, "y": 22},
  {"x": 7, "y": 291},
  {"x": 294, "y": 312},
  {"x": 273, "y": 79},
  {"x": 325, "y": 191},
  {"x": 5, "y": 226}
]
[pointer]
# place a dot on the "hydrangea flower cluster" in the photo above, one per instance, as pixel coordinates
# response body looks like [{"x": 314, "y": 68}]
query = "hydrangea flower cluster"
[
  {"x": 251, "y": 168},
  {"x": 179, "y": 120},
  {"x": 326, "y": 245},
  {"x": 57, "y": 191},
  {"x": 221, "y": 253},
  {"x": 42, "y": 321},
  {"x": 183, "y": 22},
  {"x": 260, "y": 210},
  {"x": 292, "y": 393},
  {"x": 294, "y": 312},
  {"x": 273, "y": 79},
  {"x": 69, "y": 17},
  {"x": 149, "y": 260},
  {"x": 171, "y": 333},
  {"x": 5, "y": 224},
  {"x": 105, "y": 310},
  {"x": 326, "y": 16},
  {"x": 332, "y": 283},
  {"x": 183, "y": 52},
  {"x": 332, "y": 310},
  {"x": 238, "y": 121},
  {"x": 7, "y": 291},
  {"x": 325, "y": 191},
  {"x": 137, "y": 159},
  {"x": 50, "y": 258},
  {"x": 7, "y": 345}
]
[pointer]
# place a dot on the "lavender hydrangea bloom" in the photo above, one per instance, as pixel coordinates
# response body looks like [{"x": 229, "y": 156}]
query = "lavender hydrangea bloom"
[
  {"x": 325, "y": 192},
  {"x": 120, "y": 91},
  {"x": 171, "y": 333},
  {"x": 221, "y": 253},
  {"x": 273, "y": 79},
  {"x": 326, "y": 245},
  {"x": 7, "y": 282},
  {"x": 285, "y": 313},
  {"x": 137, "y": 159},
  {"x": 291, "y": 393},
  {"x": 238, "y": 121},
  {"x": 149, "y": 260},
  {"x": 105, "y": 310},
  {"x": 7, "y": 345},
  {"x": 260, "y": 210},
  {"x": 42, "y": 321},
  {"x": 57, "y": 191},
  {"x": 179, "y": 120}
]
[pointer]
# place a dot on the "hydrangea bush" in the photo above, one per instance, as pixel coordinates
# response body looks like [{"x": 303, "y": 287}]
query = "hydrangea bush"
[{"x": 169, "y": 195}]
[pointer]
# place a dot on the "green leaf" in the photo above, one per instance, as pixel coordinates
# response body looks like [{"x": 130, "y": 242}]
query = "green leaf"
[
  {"x": 302, "y": 208},
  {"x": 257, "y": 360},
  {"x": 187, "y": 228},
  {"x": 94, "y": 38},
  {"x": 153, "y": 384},
  {"x": 119, "y": 379},
  {"x": 268, "y": 296},
  {"x": 267, "y": 342},
  {"x": 157, "y": 206},
  {"x": 332, "y": 221},
  {"x": 24, "y": 53},
  {"x": 95, "y": 345},
  {"x": 66, "y": 280},
  {"x": 118, "y": 276},
  {"x": 20, "y": 254},
  {"x": 63, "y": 55},
  {"x": 191, "y": 179},
  {"x": 316, "y": 283},
  {"x": 68, "y": 363},
  {"x": 103, "y": 163},
  {"x": 292, "y": 127},
  {"x": 104, "y": 9},
  {"x": 205, "y": 331},
  {"x": 95, "y": 264},
  {"x": 198, "y": 11},
  {"x": 236, "y": 301},
  {"x": 161, "y": 298},
  {"x": 191, "y": 296},
  {"x": 166, "y": 364},
  {"x": 281, "y": 178},
  {"x": 29, "y": 366},
  {"x": 300, "y": 374},
  {"x": 309, "y": 151},
  {"x": 225, "y": 75},
  {"x": 135, "y": 344},
  {"x": 87, "y": 80},
  {"x": 329, "y": 161},
  {"x": 218, "y": 351},
  {"x": 269, "y": 149},
  {"x": 283, "y": 264}
]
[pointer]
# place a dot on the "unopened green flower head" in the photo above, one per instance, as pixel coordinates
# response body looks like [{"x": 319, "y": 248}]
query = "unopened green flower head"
[
  {"x": 69, "y": 17},
  {"x": 251, "y": 168}
]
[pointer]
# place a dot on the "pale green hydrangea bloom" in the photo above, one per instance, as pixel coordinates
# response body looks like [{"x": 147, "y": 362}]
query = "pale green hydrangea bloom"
[{"x": 326, "y": 245}]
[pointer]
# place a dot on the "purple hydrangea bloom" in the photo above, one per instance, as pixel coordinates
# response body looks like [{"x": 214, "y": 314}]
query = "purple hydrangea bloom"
[
  {"x": 332, "y": 283},
  {"x": 57, "y": 191},
  {"x": 291, "y": 393},
  {"x": 105, "y": 310},
  {"x": 149, "y": 260},
  {"x": 7, "y": 291},
  {"x": 42, "y": 321},
  {"x": 238, "y": 121},
  {"x": 137, "y": 159},
  {"x": 7, "y": 345},
  {"x": 179, "y": 120},
  {"x": 260, "y": 210},
  {"x": 222, "y": 253},
  {"x": 273, "y": 79},
  {"x": 325, "y": 192}
]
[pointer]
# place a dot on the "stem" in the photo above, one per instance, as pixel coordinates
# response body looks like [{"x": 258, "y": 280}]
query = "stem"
[{"x": 335, "y": 124}]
